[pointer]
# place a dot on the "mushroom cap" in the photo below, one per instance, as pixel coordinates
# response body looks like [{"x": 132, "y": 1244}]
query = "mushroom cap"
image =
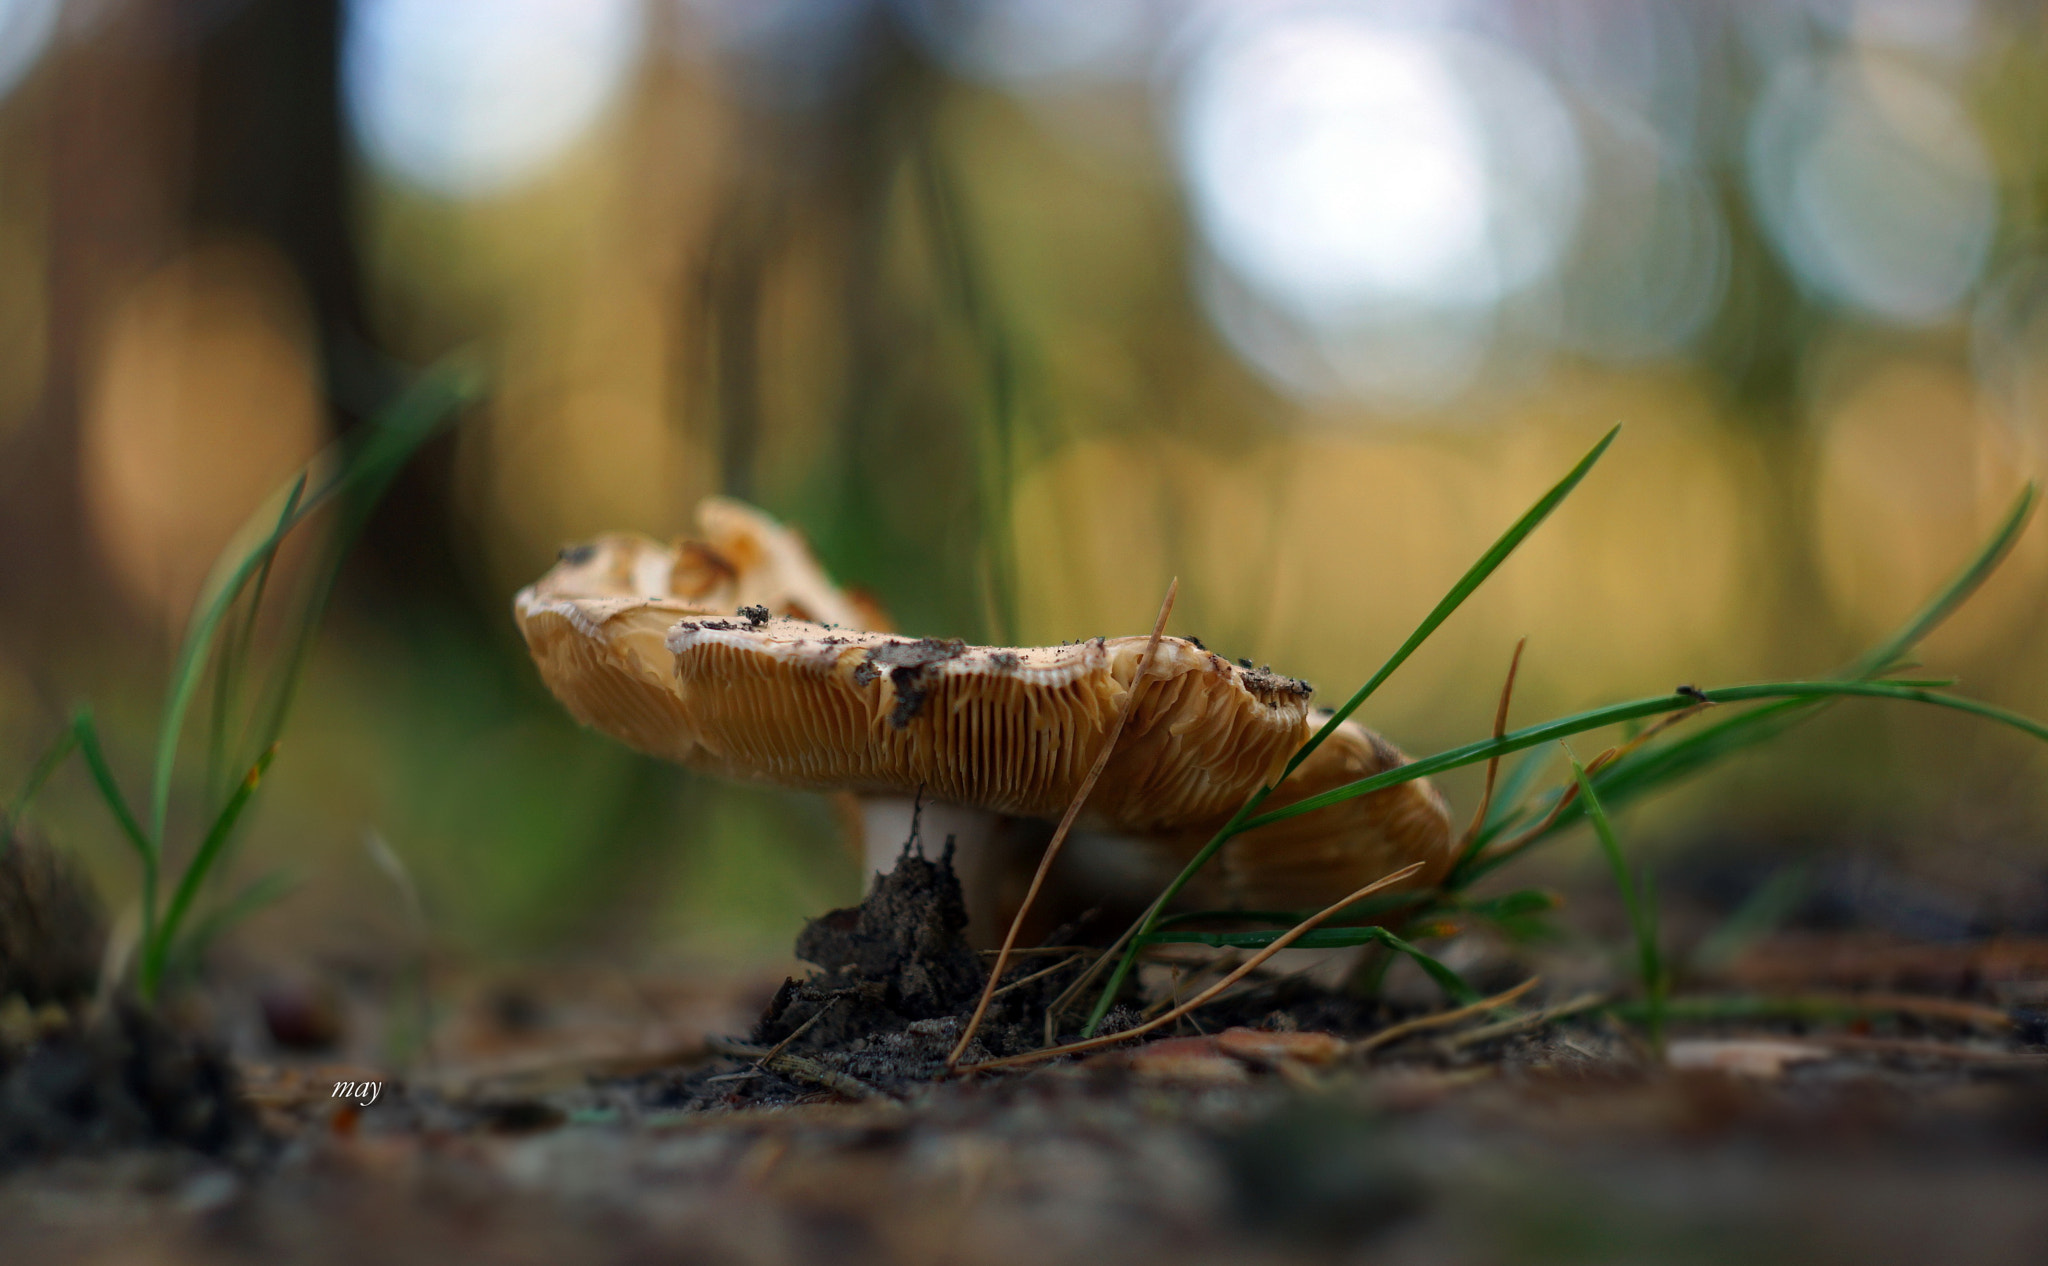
[
  {"x": 745, "y": 559},
  {"x": 767, "y": 697}
]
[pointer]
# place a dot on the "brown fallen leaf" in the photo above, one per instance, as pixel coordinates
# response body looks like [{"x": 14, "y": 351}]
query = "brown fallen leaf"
[
  {"x": 1762, "y": 1057},
  {"x": 1272, "y": 1048},
  {"x": 1182, "y": 1059},
  {"x": 1792, "y": 960}
]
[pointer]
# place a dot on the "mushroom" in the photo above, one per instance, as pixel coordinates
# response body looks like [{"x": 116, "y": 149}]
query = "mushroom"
[{"x": 736, "y": 655}]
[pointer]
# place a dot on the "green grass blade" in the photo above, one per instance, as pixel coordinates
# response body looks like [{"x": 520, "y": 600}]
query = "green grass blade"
[
  {"x": 46, "y": 766},
  {"x": 1645, "y": 771},
  {"x": 229, "y": 577},
  {"x": 1316, "y": 938},
  {"x": 1506, "y": 809},
  {"x": 1614, "y": 714},
  {"x": 1279, "y": 918},
  {"x": 408, "y": 423},
  {"x": 1507, "y": 805},
  {"x": 957, "y": 253},
  {"x": 88, "y": 737},
  {"x": 156, "y": 950},
  {"x": 1521, "y": 903},
  {"x": 267, "y": 889},
  {"x": 1770, "y": 905},
  {"x": 1474, "y": 576},
  {"x": 1453, "y": 985},
  {"x": 1520, "y": 914},
  {"x": 379, "y": 465},
  {"x": 1953, "y": 595},
  {"x": 1642, "y": 772},
  {"x": 227, "y": 664},
  {"x": 1642, "y": 914}
]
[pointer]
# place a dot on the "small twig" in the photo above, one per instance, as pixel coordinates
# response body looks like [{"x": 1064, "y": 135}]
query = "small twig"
[
  {"x": 1501, "y": 852},
  {"x": 797, "y": 1068},
  {"x": 1524, "y": 1023},
  {"x": 1108, "y": 956},
  {"x": 1040, "y": 951},
  {"x": 387, "y": 860},
  {"x": 1059, "y": 836},
  {"x": 799, "y": 1030},
  {"x": 1441, "y": 1019},
  {"x": 1182, "y": 982},
  {"x": 1250, "y": 965},
  {"x": 1956, "y": 1010},
  {"x": 1073, "y": 991},
  {"x": 1824, "y": 1005},
  {"x": 1065, "y": 996},
  {"x": 1037, "y": 975},
  {"x": 1916, "y": 1049},
  {"x": 1500, "y": 727}
]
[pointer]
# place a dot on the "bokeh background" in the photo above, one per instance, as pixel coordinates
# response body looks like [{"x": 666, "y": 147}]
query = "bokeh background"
[{"x": 1018, "y": 308}]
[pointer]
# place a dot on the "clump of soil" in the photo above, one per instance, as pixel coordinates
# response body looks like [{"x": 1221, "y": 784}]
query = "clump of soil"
[
  {"x": 75, "y": 1078},
  {"x": 125, "y": 1078},
  {"x": 51, "y": 927},
  {"x": 897, "y": 985},
  {"x": 899, "y": 956}
]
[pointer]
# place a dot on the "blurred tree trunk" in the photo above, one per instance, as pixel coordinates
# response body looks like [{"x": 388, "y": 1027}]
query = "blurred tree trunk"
[
  {"x": 272, "y": 158},
  {"x": 269, "y": 156},
  {"x": 99, "y": 136}
]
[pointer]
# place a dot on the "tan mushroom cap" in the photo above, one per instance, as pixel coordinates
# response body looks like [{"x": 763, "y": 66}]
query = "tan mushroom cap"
[
  {"x": 766, "y": 697},
  {"x": 744, "y": 559}
]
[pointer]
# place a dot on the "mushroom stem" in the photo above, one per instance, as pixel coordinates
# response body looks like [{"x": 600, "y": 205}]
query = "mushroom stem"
[
  {"x": 994, "y": 856},
  {"x": 887, "y": 824}
]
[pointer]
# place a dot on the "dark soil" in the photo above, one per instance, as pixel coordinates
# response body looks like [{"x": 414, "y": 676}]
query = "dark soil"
[
  {"x": 1892, "y": 1139},
  {"x": 51, "y": 928},
  {"x": 123, "y": 1078},
  {"x": 79, "y": 1078},
  {"x": 898, "y": 984},
  {"x": 899, "y": 956}
]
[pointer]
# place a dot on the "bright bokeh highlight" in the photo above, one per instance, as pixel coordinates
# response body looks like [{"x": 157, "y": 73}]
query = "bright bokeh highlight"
[
  {"x": 1874, "y": 186},
  {"x": 25, "y": 30},
  {"x": 465, "y": 98},
  {"x": 1352, "y": 176}
]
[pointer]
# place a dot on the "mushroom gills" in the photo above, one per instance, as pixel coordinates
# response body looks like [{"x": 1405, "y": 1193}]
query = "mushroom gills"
[{"x": 712, "y": 654}]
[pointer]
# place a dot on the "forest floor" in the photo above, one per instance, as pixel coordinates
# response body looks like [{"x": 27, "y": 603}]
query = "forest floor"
[{"x": 1894, "y": 1108}]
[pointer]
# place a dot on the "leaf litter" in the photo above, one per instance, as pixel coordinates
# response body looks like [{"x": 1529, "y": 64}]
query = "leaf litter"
[{"x": 1271, "y": 1128}]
